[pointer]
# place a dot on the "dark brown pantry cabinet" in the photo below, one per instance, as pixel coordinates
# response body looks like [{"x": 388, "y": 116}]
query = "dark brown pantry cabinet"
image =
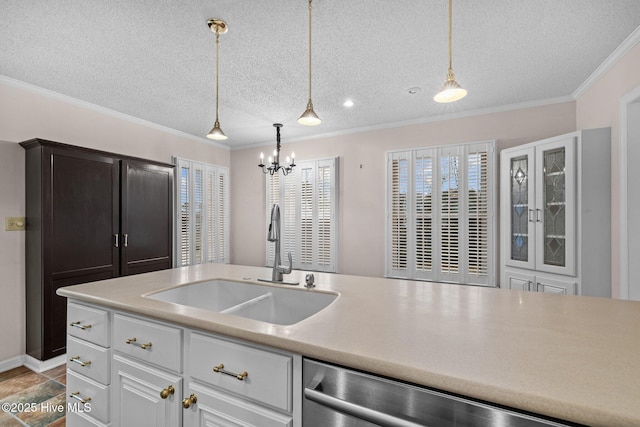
[{"x": 91, "y": 215}]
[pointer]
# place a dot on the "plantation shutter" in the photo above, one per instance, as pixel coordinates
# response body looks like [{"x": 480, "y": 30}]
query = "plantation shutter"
[
  {"x": 202, "y": 213},
  {"x": 450, "y": 214},
  {"x": 479, "y": 213},
  {"x": 273, "y": 196},
  {"x": 440, "y": 222},
  {"x": 183, "y": 241},
  {"x": 325, "y": 209},
  {"x": 308, "y": 205},
  {"x": 399, "y": 216},
  {"x": 306, "y": 185},
  {"x": 425, "y": 213},
  {"x": 198, "y": 212},
  {"x": 217, "y": 230}
]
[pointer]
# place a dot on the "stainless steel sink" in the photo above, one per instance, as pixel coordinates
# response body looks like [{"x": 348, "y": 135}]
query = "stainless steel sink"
[{"x": 271, "y": 304}]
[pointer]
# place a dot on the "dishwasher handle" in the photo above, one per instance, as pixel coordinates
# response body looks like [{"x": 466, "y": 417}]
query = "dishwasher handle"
[{"x": 355, "y": 410}]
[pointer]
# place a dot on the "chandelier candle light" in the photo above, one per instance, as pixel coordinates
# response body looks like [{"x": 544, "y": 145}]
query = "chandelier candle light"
[
  {"x": 218, "y": 26},
  {"x": 275, "y": 160}
]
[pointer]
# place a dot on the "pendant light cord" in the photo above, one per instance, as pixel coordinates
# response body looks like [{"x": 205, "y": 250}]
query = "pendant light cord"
[
  {"x": 217, "y": 60},
  {"x": 309, "y": 50},
  {"x": 450, "y": 68}
]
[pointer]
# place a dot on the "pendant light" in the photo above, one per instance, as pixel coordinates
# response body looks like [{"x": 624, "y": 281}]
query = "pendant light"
[
  {"x": 218, "y": 26},
  {"x": 309, "y": 117},
  {"x": 451, "y": 91}
]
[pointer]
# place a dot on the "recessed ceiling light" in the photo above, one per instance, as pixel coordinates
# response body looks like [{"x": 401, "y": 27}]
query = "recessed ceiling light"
[
  {"x": 413, "y": 90},
  {"x": 348, "y": 103}
]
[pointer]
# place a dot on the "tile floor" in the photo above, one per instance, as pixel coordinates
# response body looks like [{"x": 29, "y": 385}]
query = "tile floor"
[{"x": 45, "y": 390}]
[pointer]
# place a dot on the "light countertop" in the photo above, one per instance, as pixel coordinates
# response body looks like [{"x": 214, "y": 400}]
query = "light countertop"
[{"x": 573, "y": 358}]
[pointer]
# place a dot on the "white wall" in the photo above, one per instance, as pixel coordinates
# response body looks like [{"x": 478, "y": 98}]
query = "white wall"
[
  {"x": 362, "y": 177},
  {"x": 600, "y": 107},
  {"x": 26, "y": 113},
  {"x": 12, "y": 273}
]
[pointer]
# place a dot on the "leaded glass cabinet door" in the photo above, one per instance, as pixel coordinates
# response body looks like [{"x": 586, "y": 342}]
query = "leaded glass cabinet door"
[
  {"x": 519, "y": 167},
  {"x": 555, "y": 207}
]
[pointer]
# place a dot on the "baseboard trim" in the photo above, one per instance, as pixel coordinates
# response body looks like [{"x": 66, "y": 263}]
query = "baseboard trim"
[
  {"x": 44, "y": 365},
  {"x": 8, "y": 364},
  {"x": 32, "y": 363}
]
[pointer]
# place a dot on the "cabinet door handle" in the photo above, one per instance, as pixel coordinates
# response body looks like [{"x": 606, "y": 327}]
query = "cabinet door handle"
[
  {"x": 167, "y": 392},
  {"x": 538, "y": 215},
  {"x": 77, "y": 396},
  {"x": 80, "y": 325},
  {"x": 220, "y": 369},
  {"x": 188, "y": 401},
  {"x": 125, "y": 242},
  {"x": 530, "y": 215},
  {"x": 76, "y": 359},
  {"x": 117, "y": 240},
  {"x": 134, "y": 341}
]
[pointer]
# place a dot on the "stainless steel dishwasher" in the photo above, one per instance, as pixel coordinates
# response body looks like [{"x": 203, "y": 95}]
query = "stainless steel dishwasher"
[{"x": 338, "y": 397}]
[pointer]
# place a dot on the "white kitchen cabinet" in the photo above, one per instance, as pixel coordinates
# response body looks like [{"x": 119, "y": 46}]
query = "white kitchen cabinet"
[
  {"x": 556, "y": 215},
  {"x": 162, "y": 374},
  {"x": 145, "y": 396},
  {"x": 216, "y": 408},
  {"x": 523, "y": 281}
]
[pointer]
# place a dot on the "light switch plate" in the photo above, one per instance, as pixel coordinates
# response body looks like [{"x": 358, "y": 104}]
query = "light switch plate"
[{"x": 14, "y": 223}]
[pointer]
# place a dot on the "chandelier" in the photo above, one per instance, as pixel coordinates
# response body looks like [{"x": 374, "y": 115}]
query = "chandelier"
[{"x": 274, "y": 162}]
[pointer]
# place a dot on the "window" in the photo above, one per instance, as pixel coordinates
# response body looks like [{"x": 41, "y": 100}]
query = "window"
[
  {"x": 202, "y": 214},
  {"x": 308, "y": 200},
  {"x": 440, "y": 214}
]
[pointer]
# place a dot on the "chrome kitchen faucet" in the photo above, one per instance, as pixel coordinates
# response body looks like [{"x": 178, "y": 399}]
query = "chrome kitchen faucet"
[{"x": 273, "y": 235}]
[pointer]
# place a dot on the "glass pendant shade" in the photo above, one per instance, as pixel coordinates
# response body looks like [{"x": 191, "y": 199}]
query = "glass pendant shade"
[
  {"x": 309, "y": 117},
  {"x": 451, "y": 91},
  {"x": 216, "y": 133}
]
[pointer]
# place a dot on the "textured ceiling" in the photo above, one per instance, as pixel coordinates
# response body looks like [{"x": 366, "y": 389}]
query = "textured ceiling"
[{"x": 155, "y": 60}]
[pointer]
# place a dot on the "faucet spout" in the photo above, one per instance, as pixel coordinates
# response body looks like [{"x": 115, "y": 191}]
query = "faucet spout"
[{"x": 274, "y": 236}]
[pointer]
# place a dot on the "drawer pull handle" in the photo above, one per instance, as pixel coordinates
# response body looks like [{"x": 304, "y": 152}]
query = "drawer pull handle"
[
  {"x": 167, "y": 392},
  {"x": 79, "y": 325},
  {"x": 77, "y": 396},
  {"x": 133, "y": 341},
  {"x": 220, "y": 369},
  {"x": 76, "y": 359},
  {"x": 188, "y": 401}
]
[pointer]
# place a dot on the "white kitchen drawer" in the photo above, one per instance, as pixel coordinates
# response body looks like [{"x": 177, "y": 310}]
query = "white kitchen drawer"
[
  {"x": 90, "y": 324},
  {"x": 269, "y": 378},
  {"x": 151, "y": 342},
  {"x": 96, "y": 395},
  {"x": 89, "y": 359}
]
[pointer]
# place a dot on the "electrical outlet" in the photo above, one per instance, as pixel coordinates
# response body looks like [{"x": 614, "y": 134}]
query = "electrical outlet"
[{"x": 14, "y": 223}]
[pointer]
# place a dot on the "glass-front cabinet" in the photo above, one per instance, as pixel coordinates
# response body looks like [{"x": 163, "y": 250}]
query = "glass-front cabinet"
[
  {"x": 555, "y": 215},
  {"x": 521, "y": 208},
  {"x": 541, "y": 207}
]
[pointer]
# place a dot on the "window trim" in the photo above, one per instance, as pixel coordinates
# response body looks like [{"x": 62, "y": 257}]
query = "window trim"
[{"x": 464, "y": 277}]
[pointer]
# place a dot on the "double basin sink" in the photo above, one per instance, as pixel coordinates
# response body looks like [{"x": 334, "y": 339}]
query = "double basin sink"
[{"x": 266, "y": 303}]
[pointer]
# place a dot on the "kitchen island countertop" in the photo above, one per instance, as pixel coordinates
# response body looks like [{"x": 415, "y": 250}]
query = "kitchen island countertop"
[{"x": 572, "y": 358}]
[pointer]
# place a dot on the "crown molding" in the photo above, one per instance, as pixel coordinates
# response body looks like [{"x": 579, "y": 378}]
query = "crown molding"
[
  {"x": 608, "y": 63},
  {"x": 97, "y": 108},
  {"x": 423, "y": 120}
]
